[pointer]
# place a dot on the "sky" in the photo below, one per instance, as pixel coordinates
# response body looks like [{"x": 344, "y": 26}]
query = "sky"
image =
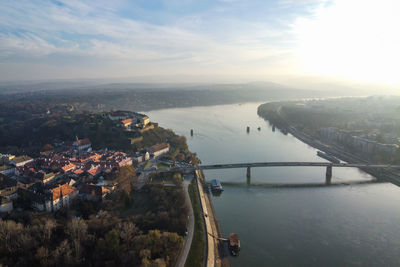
[{"x": 353, "y": 40}]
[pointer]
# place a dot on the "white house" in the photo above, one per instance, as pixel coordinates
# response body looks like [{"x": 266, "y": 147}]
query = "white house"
[
  {"x": 145, "y": 120},
  {"x": 60, "y": 196},
  {"x": 117, "y": 116},
  {"x": 159, "y": 149},
  {"x": 82, "y": 144},
  {"x": 139, "y": 157}
]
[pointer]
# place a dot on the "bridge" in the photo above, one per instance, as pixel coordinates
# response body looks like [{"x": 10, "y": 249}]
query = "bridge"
[{"x": 183, "y": 167}]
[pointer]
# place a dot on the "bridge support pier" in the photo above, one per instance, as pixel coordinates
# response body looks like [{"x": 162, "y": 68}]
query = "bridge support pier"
[
  {"x": 328, "y": 176},
  {"x": 248, "y": 176}
]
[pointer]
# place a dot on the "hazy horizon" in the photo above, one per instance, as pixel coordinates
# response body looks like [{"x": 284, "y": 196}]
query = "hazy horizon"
[
  {"x": 305, "y": 43},
  {"x": 176, "y": 81}
]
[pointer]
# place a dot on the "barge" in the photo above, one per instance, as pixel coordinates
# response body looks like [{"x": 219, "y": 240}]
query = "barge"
[{"x": 328, "y": 157}]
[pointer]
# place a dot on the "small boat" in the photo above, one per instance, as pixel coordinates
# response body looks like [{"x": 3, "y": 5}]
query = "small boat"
[
  {"x": 216, "y": 185},
  {"x": 234, "y": 244},
  {"x": 326, "y": 156}
]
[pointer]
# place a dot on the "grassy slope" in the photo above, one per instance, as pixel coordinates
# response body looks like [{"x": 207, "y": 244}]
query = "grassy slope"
[{"x": 196, "y": 254}]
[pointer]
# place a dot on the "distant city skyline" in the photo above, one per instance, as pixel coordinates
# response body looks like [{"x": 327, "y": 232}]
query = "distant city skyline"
[{"x": 345, "y": 41}]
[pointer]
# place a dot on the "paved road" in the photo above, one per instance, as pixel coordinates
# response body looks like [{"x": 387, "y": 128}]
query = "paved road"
[
  {"x": 190, "y": 228},
  {"x": 210, "y": 240},
  {"x": 210, "y": 255}
]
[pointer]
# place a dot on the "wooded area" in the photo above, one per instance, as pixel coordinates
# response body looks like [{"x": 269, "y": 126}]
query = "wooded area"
[{"x": 137, "y": 228}]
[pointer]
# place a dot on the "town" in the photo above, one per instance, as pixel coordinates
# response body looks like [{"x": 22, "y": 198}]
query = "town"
[
  {"x": 90, "y": 196},
  {"x": 71, "y": 170},
  {"x": 199, "y": 133},
  {"x": 345, "y": 123}
]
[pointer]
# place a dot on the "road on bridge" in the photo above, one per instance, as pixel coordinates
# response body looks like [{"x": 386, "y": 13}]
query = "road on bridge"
[{"x": 270, "y": 164}]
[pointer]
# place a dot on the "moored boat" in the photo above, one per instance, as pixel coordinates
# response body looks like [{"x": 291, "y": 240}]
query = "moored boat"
[
  {"x": 234, "y": 244},
  {"x": 216, "y": 185}
]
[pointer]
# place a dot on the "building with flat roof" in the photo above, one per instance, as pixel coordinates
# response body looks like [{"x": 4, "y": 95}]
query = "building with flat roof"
[{"x": 159, "y": 149}]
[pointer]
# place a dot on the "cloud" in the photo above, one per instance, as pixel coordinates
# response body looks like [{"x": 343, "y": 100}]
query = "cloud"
[
  {"x": 222, "y": 36},
  {"x": 24, "y": 45}
]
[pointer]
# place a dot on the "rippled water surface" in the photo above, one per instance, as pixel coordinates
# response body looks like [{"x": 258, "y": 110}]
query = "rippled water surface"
[{"x": 300, "y": 224}]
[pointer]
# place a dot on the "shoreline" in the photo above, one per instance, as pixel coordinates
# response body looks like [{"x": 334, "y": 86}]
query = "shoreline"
[
  {"x": 214, "y": 250},
  {"x": 286, "y": 127}
]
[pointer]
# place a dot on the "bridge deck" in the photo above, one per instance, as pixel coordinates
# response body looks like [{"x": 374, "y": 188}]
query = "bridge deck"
[
  {"x": 272, "y": 164},
  {"x": 294, "y": 164}
]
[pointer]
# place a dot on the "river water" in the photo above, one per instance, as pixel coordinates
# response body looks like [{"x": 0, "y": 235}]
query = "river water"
[{"x": 299, "y": 224}]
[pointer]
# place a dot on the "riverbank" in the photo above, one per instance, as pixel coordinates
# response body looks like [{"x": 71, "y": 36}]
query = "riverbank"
[
  {"x": 215, "y": 255},
  {"x": 285, "y": 126},
  {"x": 288, "y": 226}
]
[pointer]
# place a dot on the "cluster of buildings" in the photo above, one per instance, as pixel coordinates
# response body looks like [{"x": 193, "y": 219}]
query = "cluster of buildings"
[
  {"x": 131, "y": 121},
  {"x": 137, "y": 122},
  {"x": 8, "y": 163},
  {"x": 54, "y": 180},
  {"x": 152, "y": 152},
  {"x": 358, "y": 140},
  {"x": 374, "y": 124}
]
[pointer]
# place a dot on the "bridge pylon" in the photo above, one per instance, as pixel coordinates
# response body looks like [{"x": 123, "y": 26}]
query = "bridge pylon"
[
  {"x": 248, "y": 175},
  {"x": 328, "y": 176}
]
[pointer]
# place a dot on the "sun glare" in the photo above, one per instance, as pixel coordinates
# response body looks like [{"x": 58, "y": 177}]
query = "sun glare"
[{"x": 354, "y": 39}]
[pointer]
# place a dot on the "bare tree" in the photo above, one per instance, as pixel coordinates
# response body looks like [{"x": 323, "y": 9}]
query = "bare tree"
[
  {"x": 42, "y": 255},
  {"x": 77, "y": 230},
  {"x": 13, "y": 235},
  {"x": 127, "y": 231},
  {"x": 63, "y": 254},
  {"x": 145, "y": 254},
  {"x": 48, "y": 228},
  {"x": 5, "y": 235}
]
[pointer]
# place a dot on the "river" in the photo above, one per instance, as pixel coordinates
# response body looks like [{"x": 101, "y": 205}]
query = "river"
[{"x": 302, "y": 225}]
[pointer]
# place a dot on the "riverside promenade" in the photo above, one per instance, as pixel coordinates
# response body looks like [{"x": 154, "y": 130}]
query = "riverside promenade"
[{"x": 214, "y": 245}]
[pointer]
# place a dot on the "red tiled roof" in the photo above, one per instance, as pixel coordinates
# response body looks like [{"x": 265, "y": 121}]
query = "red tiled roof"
[
  {"x": 68, "y": 167},
  {"x": 65, "y": 189},
  {"x": 127, "y": 121},
  {"x": 94, "y": 171},
  {"x": 78, "y": 171}
]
